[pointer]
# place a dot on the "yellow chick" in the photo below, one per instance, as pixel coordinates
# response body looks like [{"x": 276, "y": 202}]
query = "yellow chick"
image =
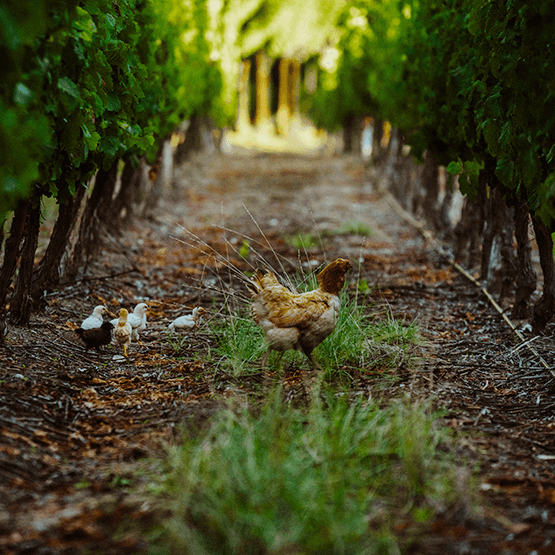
[{"x": 122, "y": 333}]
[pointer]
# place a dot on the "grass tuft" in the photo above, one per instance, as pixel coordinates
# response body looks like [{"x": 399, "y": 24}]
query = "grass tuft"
[
  {"x": 338, "y": 478},
  {"x": 303, "y": 241},
  {"x": 240, "y": 342},
  {"x": 353, "y": 227}
]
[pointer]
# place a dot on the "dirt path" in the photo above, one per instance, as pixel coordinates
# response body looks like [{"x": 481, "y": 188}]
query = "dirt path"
[{"x": 75, "y": 425}]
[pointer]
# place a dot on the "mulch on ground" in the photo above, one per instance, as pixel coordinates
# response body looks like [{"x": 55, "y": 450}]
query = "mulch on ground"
[{"x": 77, "y": 426}]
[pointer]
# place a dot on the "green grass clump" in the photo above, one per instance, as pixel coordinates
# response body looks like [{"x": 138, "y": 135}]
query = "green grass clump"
[
  {"x": 336, "y": 478},
  {"x": 360, "y": 340},
  {"x": 303, "y": 241},
  {"x": 240, "y": 342},
  {"x": 354, "y": 228}
]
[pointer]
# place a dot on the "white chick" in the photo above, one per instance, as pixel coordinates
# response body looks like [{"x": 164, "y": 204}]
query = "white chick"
[
  {"x": 137, "y": 320},
  {"x": 95, "y": 319},
  {"x": 188, "y": 322},
  {"x": 123, "y": 331}
]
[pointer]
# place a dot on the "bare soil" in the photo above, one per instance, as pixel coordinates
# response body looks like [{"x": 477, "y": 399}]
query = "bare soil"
[{"x": 80, "y": 428}]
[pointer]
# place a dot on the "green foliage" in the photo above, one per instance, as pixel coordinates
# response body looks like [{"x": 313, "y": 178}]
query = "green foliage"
[
  {"x": 438, "y": 117},
  {"x": 337, "y": 478},
  {"x": 360, "y": 66},
  {"x": 274, "y": 26},
  {"x": 190, "y": 80},
  {"x": 93, "y": 83},
  {"x": 478, "y": 89},
  {"x": 515, "y": 110},
  {"x": 24, "y": 130}
]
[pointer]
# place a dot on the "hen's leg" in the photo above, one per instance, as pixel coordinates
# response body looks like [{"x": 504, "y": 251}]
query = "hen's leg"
[
  {"x": 314, "y": 364},
  {"x": 264, "y": 359}
]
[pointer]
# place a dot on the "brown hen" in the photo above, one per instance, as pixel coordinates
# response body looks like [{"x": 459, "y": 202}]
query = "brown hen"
[{"x": 297, "y": 321}]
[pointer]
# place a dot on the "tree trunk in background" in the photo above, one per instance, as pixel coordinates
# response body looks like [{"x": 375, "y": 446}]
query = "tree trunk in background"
[
  {"x": 507, "y": 272},
  {"x": 430, "y": 181},
  {"x": 526, "y": 276},
  {"x": 352, "y": 130},
  {"x": 165, "y": 160},
  {"x": 401, "y": 180},
  {"x": 140, "y": 189},
  {"x": 21, "y": 303},
  {"x": 201, "y": 135},
  {"x": 109, "y": 179},
  {"x": 263, "y": 119},
  {"x": 398, "y": 171},
  {"x": 243, "y": 121},
  {"x": 468, "y": 231},
  {"x": 378, "y": 152},
  {"x": 544, "y": 309},
  {"x": 444, "y": 221},
  {"x": 193, "y": 143},
  {"x": 48, "y": 272},
  {"x": 125, "y": 197},
  {"x": 488, "y": 236},
  {"x": 89, "y": 238},
  {"x": 284, "y": 103},
  {"x": 498, "y": 268},
  {"x": 294, "y": 90}
]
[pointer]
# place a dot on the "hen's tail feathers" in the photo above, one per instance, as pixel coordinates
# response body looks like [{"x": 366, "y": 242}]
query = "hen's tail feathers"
[{"x": 332, "y": 278}]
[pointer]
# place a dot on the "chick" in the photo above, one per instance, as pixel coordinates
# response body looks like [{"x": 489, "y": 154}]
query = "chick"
[
  {"x": 123, "y": 330},
  {"x": 96, "y": 337},
  {"x": 95, "y": 319},
  {"x": 188, "y": 322},
  {"x": 137, "y": 319}
]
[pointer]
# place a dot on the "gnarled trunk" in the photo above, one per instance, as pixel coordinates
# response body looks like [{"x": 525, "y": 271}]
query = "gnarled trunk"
[
  {"x": 444, "y": 221},
  {"x": 468, "y": 231},
  {"x": 124, "y": 199},
  {"x": 430, "y": 180},
  {"x": 89, "y": 229},
  {"x": 352, "y": 131},
  {"x": 544, "y": 309},
  {"x": 21, "y": 304},
  {"x": 48, "y": 272},
  {"x": 498, "y": 269},
  {"x": 11, "y": 249},
  {"x": 526, "y": 276}
]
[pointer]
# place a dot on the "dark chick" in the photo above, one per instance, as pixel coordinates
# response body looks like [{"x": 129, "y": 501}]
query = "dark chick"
[{"x": 96, "y": 337}]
